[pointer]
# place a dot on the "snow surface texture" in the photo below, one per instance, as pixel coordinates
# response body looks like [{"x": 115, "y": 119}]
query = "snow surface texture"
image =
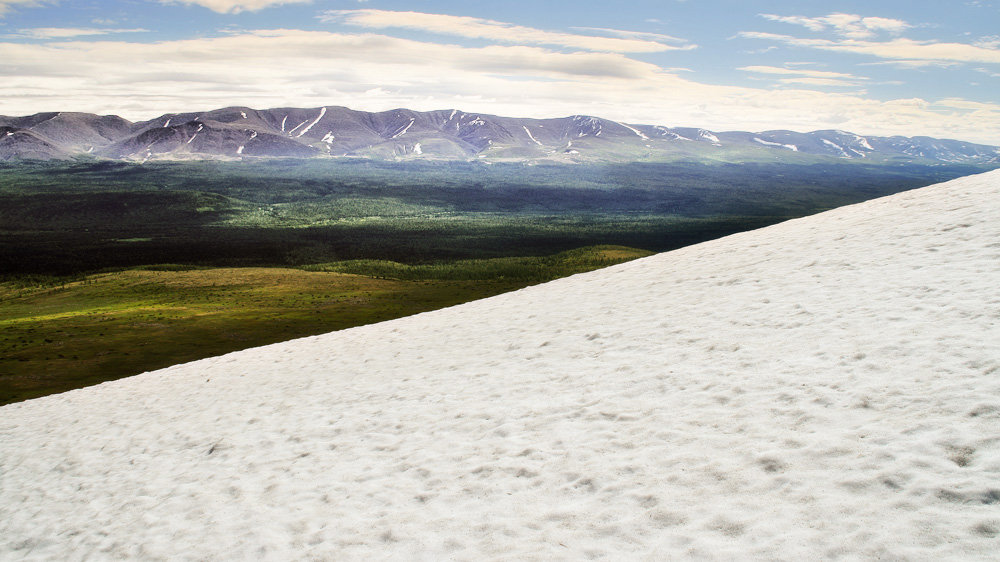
[{"x": 825, "y": 388}]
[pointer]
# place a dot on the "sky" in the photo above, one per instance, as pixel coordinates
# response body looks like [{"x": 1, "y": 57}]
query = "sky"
[{"x": 890, "y": 67}]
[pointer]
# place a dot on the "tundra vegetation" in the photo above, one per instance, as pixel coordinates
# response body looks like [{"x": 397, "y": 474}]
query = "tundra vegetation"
[{"x": 108, "y": 269}]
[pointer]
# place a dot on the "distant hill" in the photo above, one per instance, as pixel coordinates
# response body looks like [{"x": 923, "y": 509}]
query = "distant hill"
[{"x": 242, "y": 132}]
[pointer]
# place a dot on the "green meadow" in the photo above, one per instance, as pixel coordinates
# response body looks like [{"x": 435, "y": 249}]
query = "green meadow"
[{"x": 58, "y": 335}]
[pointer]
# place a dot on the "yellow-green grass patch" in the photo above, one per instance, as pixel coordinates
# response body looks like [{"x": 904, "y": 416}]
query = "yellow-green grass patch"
[{"x": 112, "y": 325}]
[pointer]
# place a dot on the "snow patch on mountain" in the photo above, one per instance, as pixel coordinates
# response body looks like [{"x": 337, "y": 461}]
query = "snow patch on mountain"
[
  {"x": 668, "y": 133},
  {"x": 837, "y": 147},
  {"x": 637, "y": 132},
  {"x": 709, "y": 136},
  {"x": 404, "y": 129},
  {"x": 587, "y": 126},
  {"x": 791, "y": 147},
  {"x": 322, "y": 112},
  {"x": 832, "y": 144},
  {"x": 296, "y": 128},
  {"x": 530, "y": 136}
]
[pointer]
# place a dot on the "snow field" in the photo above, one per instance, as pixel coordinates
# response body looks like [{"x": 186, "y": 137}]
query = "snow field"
[{"x": 824, "y": 388}]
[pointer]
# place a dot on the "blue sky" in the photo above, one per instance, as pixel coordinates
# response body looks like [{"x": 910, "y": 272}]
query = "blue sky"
[{"x": 890, "y": 67}]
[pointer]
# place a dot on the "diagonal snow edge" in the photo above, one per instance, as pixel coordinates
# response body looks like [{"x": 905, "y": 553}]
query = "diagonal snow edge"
[{"x": 825, "y": 387}]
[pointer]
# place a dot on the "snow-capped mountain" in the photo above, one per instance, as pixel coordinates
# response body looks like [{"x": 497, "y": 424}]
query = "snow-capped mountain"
[
  {"x": 822, "y": 388},
  {"x": 242, "y": 132}
]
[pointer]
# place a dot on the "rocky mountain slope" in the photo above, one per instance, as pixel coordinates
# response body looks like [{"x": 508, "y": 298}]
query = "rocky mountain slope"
[
  {"x": 242, "y": 132},
  {"x": 823, "y": 388}
]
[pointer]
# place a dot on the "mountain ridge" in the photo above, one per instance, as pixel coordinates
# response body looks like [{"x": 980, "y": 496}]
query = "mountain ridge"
[{"x": 399, "y": 134}]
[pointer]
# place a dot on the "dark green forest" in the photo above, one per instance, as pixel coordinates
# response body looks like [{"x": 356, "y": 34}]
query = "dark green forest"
[{"x": 88, "y": 216}]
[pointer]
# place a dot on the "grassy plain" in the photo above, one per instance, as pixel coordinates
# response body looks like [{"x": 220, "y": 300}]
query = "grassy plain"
[{"x": 60, "y": 335}]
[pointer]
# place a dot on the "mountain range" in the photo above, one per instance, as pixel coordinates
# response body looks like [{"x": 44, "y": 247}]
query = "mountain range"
[{"x": 242, "y": 132}]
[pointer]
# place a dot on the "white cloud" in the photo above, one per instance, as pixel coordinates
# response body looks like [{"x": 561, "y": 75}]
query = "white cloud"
[
  {"x": 278, "y": 68},
  {"x": 928, "y": 52},
  {"x": 804, "y": 76},
  {"x": 6, "y": 5},
  {"x": 958, "y": 103},
  {"x": 811, "y": 23},
  {"x": 989, "y": 42},
  {"x": 811, "y": 81},
  {"x": 234, "y": 6},
  {"x": 633, "y": 34},
  {"x": 70, "y": 32},
  {"x": 478, "y": 28},
  {"x": 857, "y": 32},
  {"x": 912, "y": 64},
  {"x": 849, "y": 25},
  {"x": 799, "y": 72}
]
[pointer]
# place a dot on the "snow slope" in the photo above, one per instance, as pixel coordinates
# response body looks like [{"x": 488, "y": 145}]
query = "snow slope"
[{"x": 824, "y": 388}]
